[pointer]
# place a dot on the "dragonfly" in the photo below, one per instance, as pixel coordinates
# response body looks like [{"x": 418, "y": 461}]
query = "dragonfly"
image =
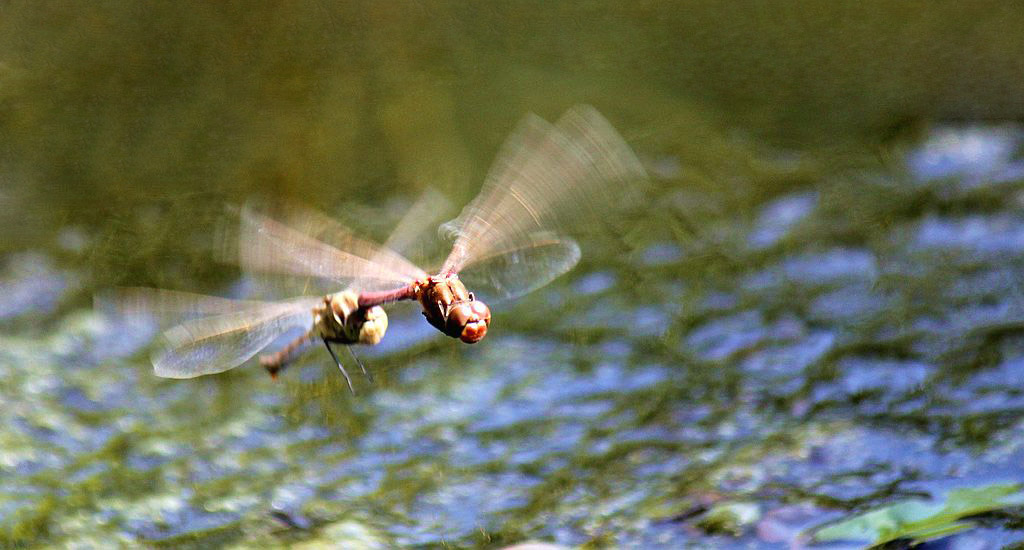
[
  {"x": 210, "y": 334},
  {"x": 508, "y": 241}
]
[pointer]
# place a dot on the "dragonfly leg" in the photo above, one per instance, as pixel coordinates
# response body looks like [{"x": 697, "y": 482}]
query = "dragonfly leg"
[
  {"x": 360, "y": 363},
  {"x": 342, "y": 368}
]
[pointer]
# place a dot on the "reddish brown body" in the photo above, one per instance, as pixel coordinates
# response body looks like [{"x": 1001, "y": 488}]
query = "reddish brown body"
[{"x": 453, "y": 310}]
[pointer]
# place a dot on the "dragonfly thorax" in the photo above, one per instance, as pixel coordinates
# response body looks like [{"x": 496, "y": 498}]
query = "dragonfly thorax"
[
  {"x": 340, "y": 319},
  {"x": 453, "y": 310}
]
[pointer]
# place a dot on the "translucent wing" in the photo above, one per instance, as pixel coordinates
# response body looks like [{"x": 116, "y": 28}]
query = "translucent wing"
[
  {"x": 411, "y": 232},
  {"x": 510, "y": 273},
  {"x": 217, "y": 334},
  {"x": 544, "y": 179},
  {"x": 166, "y": 307},
  {"x": 216, "y": 344},
  {"x": 266, "y": 245},
  {"x": 418, "y": 223}
]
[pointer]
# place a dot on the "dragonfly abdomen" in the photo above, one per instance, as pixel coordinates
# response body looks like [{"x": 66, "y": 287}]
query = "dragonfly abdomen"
[{"x": 275, "y": 362}]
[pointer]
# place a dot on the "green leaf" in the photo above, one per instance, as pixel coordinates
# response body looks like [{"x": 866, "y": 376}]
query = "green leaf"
[{"x": 922, "y": 520}]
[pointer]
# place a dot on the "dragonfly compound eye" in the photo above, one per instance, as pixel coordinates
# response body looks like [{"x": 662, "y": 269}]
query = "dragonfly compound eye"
[
  {"x": 481, "y": 310},
  {"x": 374, "y": 326},
  {"x": 468, "y": 321}
]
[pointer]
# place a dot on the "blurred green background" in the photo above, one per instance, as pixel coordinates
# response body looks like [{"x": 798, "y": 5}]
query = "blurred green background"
[{"x": 113, "y": 110}]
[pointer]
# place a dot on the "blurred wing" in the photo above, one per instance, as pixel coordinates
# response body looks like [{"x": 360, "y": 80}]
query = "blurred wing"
[
  {"x": 166, "y": 307},
  {"x": 419, "y": 222},
  {"x": 217, "y": 334},
  {"x": 212, "y": 334},
  {"x": 267, "y": 245},
  {"x": 514, "y": 272},
  {"x": 216, "y": 344},
  {"x": 544, "y": 178}
]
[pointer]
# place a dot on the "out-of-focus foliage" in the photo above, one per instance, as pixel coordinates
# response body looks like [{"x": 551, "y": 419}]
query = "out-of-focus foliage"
[{"x": 920, "y": 520}]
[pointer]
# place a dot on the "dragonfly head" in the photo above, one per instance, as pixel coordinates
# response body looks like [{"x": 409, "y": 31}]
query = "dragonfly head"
[
  {"x": 374, "y": 325},
  {"x": 469, "y": 320}
]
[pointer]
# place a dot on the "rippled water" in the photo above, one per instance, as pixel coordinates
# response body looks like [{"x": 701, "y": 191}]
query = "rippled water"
[{"x": 807, "y": 360}]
